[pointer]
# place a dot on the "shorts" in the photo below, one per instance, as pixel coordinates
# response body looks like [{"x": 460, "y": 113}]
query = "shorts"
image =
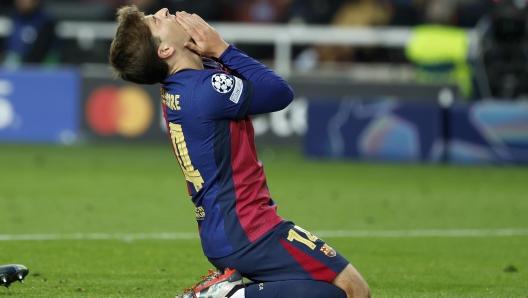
[{"x": 286, "y": 252}]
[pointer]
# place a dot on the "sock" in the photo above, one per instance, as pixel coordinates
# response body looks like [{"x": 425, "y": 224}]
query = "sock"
[
  {"x": 237, "y": 292},
  {"x": 294, "y": 288}
]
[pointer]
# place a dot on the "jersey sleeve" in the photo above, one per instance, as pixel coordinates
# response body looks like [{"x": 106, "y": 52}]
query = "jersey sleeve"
[
  {"x": 270, "y": 93},
  {"x": 219, "y": 95}
]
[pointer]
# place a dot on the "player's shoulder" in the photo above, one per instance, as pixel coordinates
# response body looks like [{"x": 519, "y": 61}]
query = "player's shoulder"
[
  {"x": 217, "y": 81},
  {"x": 218, "y": 94}
]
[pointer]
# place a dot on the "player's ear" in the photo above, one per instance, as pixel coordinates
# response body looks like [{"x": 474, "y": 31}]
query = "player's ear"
[{"x": 165, "y": 52}]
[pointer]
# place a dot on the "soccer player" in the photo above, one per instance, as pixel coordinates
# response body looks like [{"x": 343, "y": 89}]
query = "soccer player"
[{"x": 209, "y": 90}]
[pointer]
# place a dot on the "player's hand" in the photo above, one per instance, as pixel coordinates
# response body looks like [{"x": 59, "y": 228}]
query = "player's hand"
[{"x": 207, "y": 41}]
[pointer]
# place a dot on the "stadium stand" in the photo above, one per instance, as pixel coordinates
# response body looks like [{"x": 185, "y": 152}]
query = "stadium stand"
[{"x": 292, "y": 29}]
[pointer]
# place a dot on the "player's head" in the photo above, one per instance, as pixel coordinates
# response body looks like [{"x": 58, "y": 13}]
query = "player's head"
[
  {"x": 145, "y": 48},
  {"x": 133, "y": 53}
]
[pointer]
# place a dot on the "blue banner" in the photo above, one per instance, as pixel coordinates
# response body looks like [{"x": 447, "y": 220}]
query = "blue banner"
[
  {"x": 480, "y": 132},
  {"x": 374, "y": 130},
  {"x": 39, "y": 105},
  {"x": 489, "y": 132}
]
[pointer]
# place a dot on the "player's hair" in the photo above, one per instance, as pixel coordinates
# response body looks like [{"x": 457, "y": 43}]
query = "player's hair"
[{"x": 134, "y": 50}]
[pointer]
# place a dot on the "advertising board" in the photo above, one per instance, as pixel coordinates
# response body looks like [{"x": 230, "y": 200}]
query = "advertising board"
[
  {"x": 375, "y": 129},
  {"x": 489, "y": 132},
  {"x": 39, "y": 105}
]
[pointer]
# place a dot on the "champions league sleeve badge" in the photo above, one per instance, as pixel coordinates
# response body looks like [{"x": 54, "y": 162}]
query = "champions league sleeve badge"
[{"x": 222, "y": 83}]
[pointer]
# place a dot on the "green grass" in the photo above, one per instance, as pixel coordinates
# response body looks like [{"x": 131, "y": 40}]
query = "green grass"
[{"x": 139, "y": 189}]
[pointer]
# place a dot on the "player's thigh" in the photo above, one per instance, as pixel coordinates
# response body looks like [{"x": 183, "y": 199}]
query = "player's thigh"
[
  {"x": 286, "y": 253},
  {"x": 311, "y": 255},
  {"x": 352, "y": 283}
]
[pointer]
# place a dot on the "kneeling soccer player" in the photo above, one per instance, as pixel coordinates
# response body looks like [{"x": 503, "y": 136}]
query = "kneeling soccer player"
[{"x": 209, "y": 90}]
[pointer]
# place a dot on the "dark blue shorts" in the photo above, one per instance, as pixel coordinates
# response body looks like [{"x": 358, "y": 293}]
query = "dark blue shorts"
[{"x": 287, "y": 252}]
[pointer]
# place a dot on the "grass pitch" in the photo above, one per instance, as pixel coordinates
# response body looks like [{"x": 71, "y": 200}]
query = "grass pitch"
[{"x": 411, "y": 230}]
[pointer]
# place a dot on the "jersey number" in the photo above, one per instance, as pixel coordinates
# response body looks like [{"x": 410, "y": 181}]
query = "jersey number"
[
  {"x": 293, "y": 235},
  {"x": 182, "y": 153}
]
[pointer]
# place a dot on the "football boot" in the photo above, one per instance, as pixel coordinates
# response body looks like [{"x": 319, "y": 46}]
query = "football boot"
[
  {"x": 12, "y": 273},
  {"x": 216, "y": 285}
]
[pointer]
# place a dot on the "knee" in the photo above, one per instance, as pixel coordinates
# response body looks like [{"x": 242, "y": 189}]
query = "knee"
[
  {"x": 352, "y": 283},
  {"x": 358, "y": 290}
]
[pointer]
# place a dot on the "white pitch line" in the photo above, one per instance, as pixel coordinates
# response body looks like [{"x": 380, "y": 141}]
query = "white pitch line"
[
  {"x": 424, "y": 233},
  {"x": 100, "y": 236},
  {"x": 322, "y": 234}
]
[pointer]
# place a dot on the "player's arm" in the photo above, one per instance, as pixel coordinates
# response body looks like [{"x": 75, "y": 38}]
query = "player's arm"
[{"x": 269, "y": 91}]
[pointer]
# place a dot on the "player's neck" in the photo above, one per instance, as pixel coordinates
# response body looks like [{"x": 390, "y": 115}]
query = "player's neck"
[{"x": 187, "y": 60}]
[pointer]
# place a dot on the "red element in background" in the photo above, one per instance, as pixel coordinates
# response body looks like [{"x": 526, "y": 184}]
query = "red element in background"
[{"x": 102, "y": 110}]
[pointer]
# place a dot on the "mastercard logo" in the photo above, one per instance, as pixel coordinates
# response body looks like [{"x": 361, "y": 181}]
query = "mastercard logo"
[{"x": 125, "y": 111}]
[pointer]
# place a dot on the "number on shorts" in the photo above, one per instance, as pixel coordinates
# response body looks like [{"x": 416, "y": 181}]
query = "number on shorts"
[{"x": 293, "y": 235}]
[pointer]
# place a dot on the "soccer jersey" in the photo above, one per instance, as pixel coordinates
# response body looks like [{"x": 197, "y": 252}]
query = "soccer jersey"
[{"x": 207, "y": 114}]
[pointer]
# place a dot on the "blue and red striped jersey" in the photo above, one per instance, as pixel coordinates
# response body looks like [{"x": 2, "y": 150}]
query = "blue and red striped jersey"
[{"x": 208, "y": 119}]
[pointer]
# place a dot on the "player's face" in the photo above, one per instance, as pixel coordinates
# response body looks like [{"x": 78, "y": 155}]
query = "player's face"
[{"x": 164, "y": 25}]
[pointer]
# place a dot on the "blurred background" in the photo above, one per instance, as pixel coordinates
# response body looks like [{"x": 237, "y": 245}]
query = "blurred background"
[
  {"x": 431, "y": 81},
  {"x": 398, "y": 85}
]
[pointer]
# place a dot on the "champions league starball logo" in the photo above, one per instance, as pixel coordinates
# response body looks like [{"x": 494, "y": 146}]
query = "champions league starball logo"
[{"x": 222, "y": 83}]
